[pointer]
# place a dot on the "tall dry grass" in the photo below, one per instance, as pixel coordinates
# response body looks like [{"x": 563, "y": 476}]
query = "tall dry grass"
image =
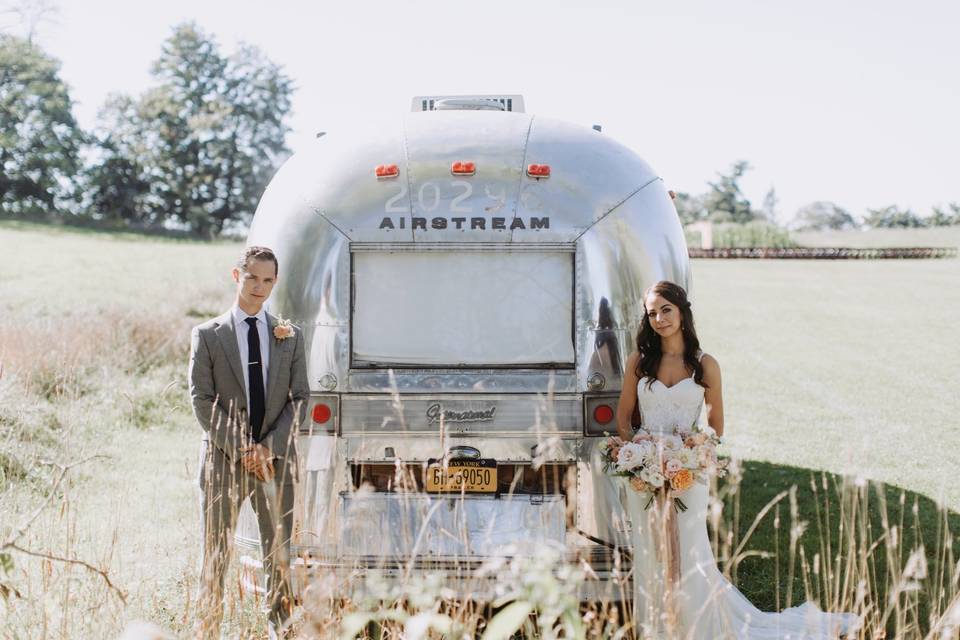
[
  {"x": 857, "y": 552},
  {"x": 838, "y": 542}
]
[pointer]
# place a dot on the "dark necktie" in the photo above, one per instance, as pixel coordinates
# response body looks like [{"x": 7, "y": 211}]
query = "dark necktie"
[{"x": 255, "y": 376}]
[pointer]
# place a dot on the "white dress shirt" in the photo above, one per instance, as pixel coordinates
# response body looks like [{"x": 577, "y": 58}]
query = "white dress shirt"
[{"x": 241, "y": 328}]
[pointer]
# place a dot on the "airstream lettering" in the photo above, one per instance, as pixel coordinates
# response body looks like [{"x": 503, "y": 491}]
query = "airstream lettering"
[
  {"x": 488, "y": 314},
  {"x": 440, "y": 223}
]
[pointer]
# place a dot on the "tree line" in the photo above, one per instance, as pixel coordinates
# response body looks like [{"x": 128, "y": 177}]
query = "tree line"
[
  {"x": 724, "y": 202},
  {"x": 195, "y": 151},
  {"x": 192, "y": 153}
]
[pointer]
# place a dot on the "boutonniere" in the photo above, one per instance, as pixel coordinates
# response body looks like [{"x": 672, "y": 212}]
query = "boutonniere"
[{"x": 283, "y": 330}]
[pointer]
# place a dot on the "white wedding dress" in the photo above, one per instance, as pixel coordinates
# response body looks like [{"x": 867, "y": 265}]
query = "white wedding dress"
[{"x": 706, "y": 605}]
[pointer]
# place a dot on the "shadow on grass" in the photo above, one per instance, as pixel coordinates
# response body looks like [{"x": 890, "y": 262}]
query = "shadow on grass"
[{"x": 874, "y": 525}]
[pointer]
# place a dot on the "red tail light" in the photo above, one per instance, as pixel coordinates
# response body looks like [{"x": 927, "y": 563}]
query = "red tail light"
[
  {"x": 463, "y": 168},
  {"x": 538, "y": 170},
  {"x": 603, "y": 413},
  {"x": 387, "y": 171},
  {"x": 321, "y": 413}
]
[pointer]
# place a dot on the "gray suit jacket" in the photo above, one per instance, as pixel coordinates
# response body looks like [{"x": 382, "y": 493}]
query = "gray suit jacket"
[{"x": 220, "y": 399}]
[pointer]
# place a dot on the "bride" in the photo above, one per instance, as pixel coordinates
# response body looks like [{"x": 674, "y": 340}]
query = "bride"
[{"x": 669, "y": 379}]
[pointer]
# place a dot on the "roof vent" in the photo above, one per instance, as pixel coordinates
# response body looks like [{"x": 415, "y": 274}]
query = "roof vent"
[{"x": 468, "y": 103}]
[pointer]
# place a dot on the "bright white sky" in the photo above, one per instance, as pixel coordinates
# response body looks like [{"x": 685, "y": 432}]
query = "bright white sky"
[{"x": 853, "y": 101}]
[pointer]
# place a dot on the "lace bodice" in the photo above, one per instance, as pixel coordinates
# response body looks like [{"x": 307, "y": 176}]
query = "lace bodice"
[{"x": 662, "y": 408}]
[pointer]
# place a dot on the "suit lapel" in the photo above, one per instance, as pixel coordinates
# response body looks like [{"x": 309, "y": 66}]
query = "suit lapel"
[
  {"x": 228, "y": 340},
  {"x": 274, "y": 368}
]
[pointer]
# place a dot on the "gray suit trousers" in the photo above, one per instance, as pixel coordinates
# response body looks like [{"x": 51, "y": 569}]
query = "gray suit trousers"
[{"x": 223, "y": 488}]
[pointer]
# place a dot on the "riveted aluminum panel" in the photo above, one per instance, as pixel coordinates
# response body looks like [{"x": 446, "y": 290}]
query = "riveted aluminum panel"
[
  {"x": 442, "y": 381},
  {"x": 590, "y": 175},
  {"x": 464, "y": 208}
]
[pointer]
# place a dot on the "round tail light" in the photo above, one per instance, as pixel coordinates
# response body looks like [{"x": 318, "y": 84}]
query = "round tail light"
[
  {"x": 321, "y": 413},
  {"x": 603, "y": 414}
]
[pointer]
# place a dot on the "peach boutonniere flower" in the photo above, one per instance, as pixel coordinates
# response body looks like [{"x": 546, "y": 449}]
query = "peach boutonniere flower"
[{"x": 283, "y": 330}]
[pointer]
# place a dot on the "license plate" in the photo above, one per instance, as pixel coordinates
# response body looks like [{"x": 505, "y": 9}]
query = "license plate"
[{"x": 468, "y": 476}]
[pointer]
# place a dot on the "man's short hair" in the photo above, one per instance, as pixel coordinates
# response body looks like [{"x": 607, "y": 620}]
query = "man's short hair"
[{"x": 258, "y": 253}]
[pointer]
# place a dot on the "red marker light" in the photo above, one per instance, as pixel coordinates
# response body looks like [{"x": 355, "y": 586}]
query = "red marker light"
[
  {"x": 387, "y": 171},
  {"x": 321, "y": 413},
  {"x": 463, "y": 168},
  {"x": 603, "y": 414},
  {"x": 538, "y": 170}
]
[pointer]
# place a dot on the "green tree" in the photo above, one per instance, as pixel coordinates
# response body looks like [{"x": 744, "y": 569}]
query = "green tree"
[
  {"x": 218, "y": 130},
  {"x": 770, "y": 202},
  {"x": 943, "y": 218},
  {"x": 117, "y": 184},
  {"x": 821, "y": 215},
  {"x": 725, "y": 201},
  {"x": 689, "y": 208},
  {"x": 39, "y": 137},
  {"x": 893, "y": 217}
]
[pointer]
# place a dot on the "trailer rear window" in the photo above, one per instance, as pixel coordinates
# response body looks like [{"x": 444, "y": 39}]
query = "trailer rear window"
[{"x": 463, "y": 309}]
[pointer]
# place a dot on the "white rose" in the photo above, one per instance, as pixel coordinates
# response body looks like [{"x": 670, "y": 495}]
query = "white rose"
[
  {"x": 688, "y": 458},
  {"x": 647, "y": 450},
  {"x": 672, "y": 442},
  {"x": 631, "y": 456},
  {"x": 652, "y": 477}
]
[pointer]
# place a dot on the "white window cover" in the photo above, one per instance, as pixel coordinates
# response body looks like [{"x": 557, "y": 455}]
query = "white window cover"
[{"x": 471, "y": 308}]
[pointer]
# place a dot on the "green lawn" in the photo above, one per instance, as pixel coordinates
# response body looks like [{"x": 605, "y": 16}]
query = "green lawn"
[{"x": 846, "y": 367}]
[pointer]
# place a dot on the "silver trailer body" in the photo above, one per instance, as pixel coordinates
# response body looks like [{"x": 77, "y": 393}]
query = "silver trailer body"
[{"x": 446, "y": 305}]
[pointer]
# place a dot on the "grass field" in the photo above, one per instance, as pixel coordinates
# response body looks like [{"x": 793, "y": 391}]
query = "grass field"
[{"x": 844, "y": 367}]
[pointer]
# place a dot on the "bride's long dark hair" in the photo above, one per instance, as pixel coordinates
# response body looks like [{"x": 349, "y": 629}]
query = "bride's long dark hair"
[{"x": 648, "y": 341}]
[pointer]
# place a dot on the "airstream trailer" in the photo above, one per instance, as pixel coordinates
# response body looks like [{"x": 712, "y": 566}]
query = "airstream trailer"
[{"x": 469, "y": 281}]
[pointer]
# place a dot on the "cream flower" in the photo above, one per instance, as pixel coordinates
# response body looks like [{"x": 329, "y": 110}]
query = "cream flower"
[
  {"x": 687, "y": 458},
  {"x": 652, "y": 477},
  {"x": 630, "y": 457},
  {"x": 671, "y": 442}
]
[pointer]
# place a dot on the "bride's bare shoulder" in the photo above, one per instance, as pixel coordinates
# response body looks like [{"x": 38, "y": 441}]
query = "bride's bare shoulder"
[{"x": 710, "y": 364}]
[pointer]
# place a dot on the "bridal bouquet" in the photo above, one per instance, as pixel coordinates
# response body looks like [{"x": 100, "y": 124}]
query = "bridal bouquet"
[{"x": 664, "y": 465}]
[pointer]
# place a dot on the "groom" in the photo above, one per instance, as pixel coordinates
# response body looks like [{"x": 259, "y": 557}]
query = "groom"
[{"x": 248, "y": 383}]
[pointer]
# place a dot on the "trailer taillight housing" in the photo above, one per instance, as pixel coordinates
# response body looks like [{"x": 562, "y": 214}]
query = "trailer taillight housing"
[
  {"x": 599, "y": 413},
  {"x": 323, "y": 415}
]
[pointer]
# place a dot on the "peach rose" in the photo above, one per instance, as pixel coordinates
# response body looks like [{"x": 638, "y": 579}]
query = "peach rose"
[
  {"x": 638, "y": 484},
  {"x": 642, "y": 437},
  {"x": 682, "y": 480},
  {"x": 283, "y": 331}
]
